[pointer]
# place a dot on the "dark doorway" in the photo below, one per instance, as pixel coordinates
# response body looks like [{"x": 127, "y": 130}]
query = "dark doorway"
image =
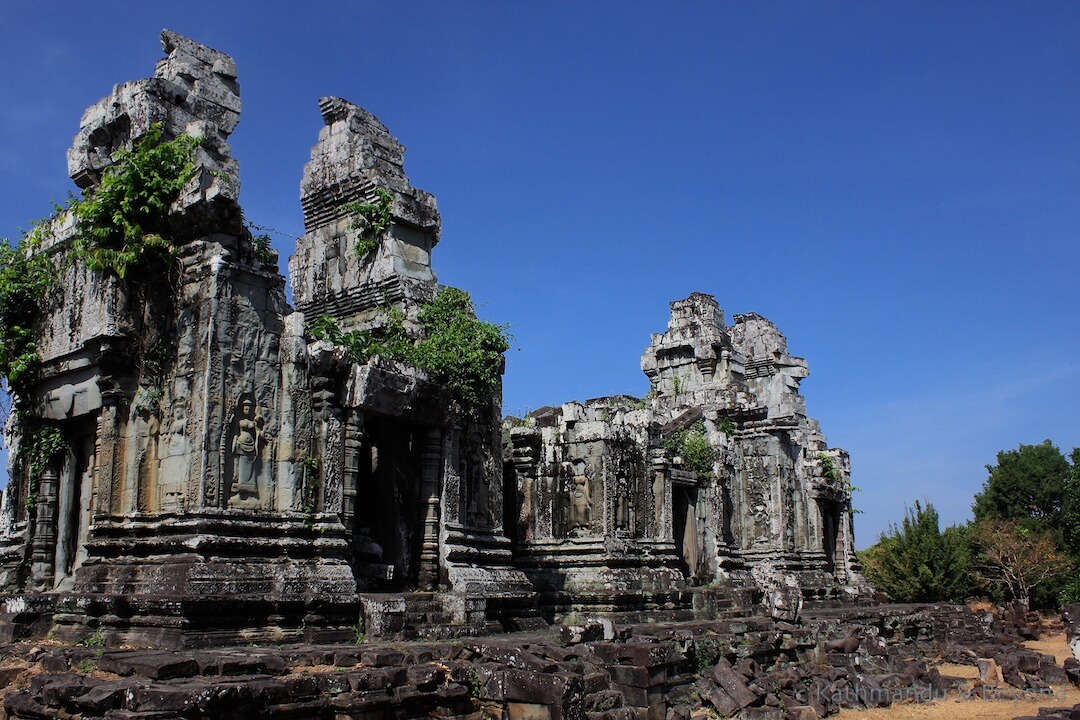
[
  {"x": 685, "y": 529},
  {"x": 830, "y": 529},
  {"x": 388, "y": 497}
]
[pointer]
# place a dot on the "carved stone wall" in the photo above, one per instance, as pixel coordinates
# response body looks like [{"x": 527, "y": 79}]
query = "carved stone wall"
[{"x": 610, "y": 472}]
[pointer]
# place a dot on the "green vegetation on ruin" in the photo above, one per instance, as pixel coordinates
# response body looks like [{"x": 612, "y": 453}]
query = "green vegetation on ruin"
[
  {"x": 458, "y": 350},
  {"x": 36, "y": 450},
  {"x": 693, "y": 446},
  {"x": 123, "y": 222},
  {"x": 27, "y": 278},
  {"x": 373, "y": 220}
]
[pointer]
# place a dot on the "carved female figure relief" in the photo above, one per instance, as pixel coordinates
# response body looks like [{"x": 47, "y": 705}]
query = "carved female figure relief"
[
  {"x": 580, "y": 502},
  {"x": 173, "y": 452},
  {"x": 247, "y": 438},
  {"x": 622, "y": 504}
]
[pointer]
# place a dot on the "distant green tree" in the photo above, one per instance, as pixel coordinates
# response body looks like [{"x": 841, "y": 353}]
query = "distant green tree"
[
  {"x": 1069, "y": 592},
  {"x": 917, "y": 562},
  {"x": 1070, "y": 507},
  {"x": 1026, "y": 486}
]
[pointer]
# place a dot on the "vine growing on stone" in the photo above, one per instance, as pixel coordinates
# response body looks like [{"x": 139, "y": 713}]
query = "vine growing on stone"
[
  {"x": 123, "y": 222},
  {"x": 693, "y": 446},
  {"x": 832, "y": 474},
  {"x": 372, "y": 219},
  {"x": 27, "y": 278},
  {"x": 829, "y": 470},
  {"x": 459, "y": 350},
  {"x": 40, "y": 445}
]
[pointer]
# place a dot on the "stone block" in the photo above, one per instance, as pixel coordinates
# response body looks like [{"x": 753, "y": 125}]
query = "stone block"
[
  {"x": 381, "y": 657},
  {"x": 377, "y": 678},
  {"x": 54, "y": 663},
  {"x": 635, "y": 696},
  {"x": 594, "y": 682},
  {"x": 733, "y": 684},
  {"x": 630, "y": 675},
  {"x": 156, "y": 666},
  {"x": 97, "y": 700},
  {"x": 725, "y": 705},
  {"x": 1025, "y": 662},
  {"x": 644, "y": 655},
  {"x": 12, "y": 671},
  {"x": 847, "y": 660},
  {"x": 990, "y": 671},
  {"x": 556, "y": 689},
  {"x": 603, "y": 700},
  {"x": 425, "y": 677},
  {"x": 163, "y": 698}
]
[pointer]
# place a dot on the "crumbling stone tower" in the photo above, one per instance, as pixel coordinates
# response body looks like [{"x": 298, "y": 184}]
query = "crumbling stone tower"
[
  {"x": 393, "y": 420},
  {"x": 778, "y": 495},
  {"x": 219, "y": 474},
  {"x": 716, "y": 481}
]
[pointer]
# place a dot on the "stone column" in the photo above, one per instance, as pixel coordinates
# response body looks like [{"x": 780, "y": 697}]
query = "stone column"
[
  {"x": 67, "y": 511},
  {"x": 354, "y": 436},
  {"x": 661, "y": 494},
  {"x": 108, "y": 439},
  {"x": 430, "y": 462},
  {"x": 525, "y": 455},
  {"x": 333, "y": 466},
  {"x": 43, "y": 546}
]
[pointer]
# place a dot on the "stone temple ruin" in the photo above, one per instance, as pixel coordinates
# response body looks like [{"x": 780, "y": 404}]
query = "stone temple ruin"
[
  {"x": 613, "y": 515},
  {"x": 224, "y": 475}
]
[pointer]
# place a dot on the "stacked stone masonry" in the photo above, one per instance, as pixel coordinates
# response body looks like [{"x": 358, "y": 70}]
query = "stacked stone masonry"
[
  {"x": 751, "y": 669},
  {"x": 253, "y": 483}
]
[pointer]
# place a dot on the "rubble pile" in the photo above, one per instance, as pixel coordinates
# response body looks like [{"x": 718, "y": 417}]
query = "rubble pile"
[{"x": 747, "y": 668}]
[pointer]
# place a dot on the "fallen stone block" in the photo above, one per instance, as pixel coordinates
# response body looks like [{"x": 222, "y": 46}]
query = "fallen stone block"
[
  {"x": 725, "y": 705},
  {"x": 733, "y": 684},
  {"x": 98, "y": 699},
  {"x": 382, "y": 657},
  {"x": 162, "y": 698},
  {"x": 547, "y": 689},
  {"x": 990, "y": 671}
]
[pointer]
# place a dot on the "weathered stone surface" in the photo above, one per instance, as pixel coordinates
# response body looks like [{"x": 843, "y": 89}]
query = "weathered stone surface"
[
  {"x": 162, "y": 666},
  {"x": 611, "y": 513},
  {"x": 247, "y": 480},
  {"x": 230, "y": 477}
]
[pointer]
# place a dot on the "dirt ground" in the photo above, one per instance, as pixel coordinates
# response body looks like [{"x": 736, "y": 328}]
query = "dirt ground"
[{"x": 958, "y": 708}]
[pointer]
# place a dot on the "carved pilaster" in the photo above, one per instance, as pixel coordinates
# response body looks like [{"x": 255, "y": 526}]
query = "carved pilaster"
[
  {"x": 354, "y": 436},
  {"x": 659, "y": 495},
  {"x": 526, "y": 455},
  {"x": 108, "y": 439},
  {"x": 430, "y": 463},
  {"x": 333, "y": 467},
  {"x": 43, "y": 548}
]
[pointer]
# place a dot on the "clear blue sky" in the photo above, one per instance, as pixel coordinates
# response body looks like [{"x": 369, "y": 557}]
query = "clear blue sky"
[{"x": 896, "y": 185}]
